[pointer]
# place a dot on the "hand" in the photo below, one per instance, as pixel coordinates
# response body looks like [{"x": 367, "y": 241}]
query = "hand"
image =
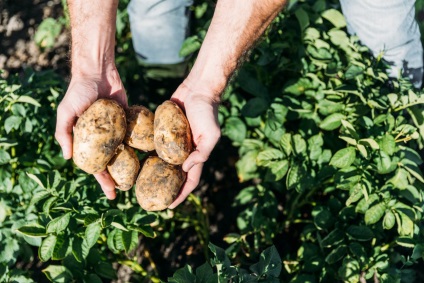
[
  {"x": 202, "y": 113},
  {"x": 82, "y": 92}
]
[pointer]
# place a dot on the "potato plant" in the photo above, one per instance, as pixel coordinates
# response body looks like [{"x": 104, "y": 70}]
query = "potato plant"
[
  {"x": 330, "y": 151},
  {"x": 329, "y": 158}
]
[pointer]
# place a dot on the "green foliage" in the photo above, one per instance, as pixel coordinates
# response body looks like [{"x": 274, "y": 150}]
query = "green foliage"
[
  {"x": 333, "y": 150},
  {"x": 329, "y": 156},
  {"x": 50, "y": 211}
]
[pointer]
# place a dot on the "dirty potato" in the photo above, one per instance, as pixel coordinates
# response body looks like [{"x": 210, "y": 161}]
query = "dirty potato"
[
  {"x": 158, "y": 184},
  {"x": 139, "y": 128},
  {"x": 172, "y": 133},
  {"x": 97, "y": 134},
  {"x": 124, "y": 167}
]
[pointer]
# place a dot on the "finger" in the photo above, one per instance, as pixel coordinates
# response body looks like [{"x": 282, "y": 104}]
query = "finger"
[
  {"x": 202, "y": 152},
  {"x": 64, "y": 125},
  {"x": 193, "y": 178},
  {"x": 107, "y": 184}
]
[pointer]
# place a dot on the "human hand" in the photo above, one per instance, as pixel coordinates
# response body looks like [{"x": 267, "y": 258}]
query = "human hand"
[
  {"x": 82, "y": 92},
  {"x": 202, "y": 113}
]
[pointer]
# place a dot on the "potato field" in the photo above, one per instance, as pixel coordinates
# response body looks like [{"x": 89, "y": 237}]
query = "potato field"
[{"x": 318, "y": 175}]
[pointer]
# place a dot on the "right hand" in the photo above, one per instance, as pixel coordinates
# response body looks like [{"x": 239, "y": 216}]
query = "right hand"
[{"x": 82, "y": 92}]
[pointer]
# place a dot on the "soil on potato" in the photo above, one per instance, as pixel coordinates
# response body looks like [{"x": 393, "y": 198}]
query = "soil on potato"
[{"x": 18, "y": 23}]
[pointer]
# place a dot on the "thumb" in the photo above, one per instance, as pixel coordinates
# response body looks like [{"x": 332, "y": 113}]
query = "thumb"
[
  {"x": 64, "y": 125},
  {"x": 201, "y": 153}
]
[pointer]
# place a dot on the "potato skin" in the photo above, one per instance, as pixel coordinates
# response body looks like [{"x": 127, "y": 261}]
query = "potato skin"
[
  {"x": 97, "y": 134},
  {"x": 124, "y": 167},
  {"x": 158, "y": 184},
  {"x": 172, "y": 133},
  {"x": 139, "y": 133}
]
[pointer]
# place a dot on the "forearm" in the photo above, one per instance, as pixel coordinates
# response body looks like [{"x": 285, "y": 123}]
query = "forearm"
[
  {"x": 93, "y": 26},
  {"x": 235, "y": 26}
]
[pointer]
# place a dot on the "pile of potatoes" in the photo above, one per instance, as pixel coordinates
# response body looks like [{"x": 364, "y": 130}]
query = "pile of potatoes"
[{"x": 106, "y": 137}]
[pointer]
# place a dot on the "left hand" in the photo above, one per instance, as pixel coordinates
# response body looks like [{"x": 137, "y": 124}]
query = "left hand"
[{"x": 202, "y": 114}]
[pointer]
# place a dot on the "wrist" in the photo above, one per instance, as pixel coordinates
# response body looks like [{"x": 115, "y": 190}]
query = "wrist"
[{"x": 93, "y": 57}]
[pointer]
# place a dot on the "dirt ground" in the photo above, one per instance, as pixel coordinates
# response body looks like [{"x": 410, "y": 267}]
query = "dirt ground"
[{"x": 18, "y": 23}]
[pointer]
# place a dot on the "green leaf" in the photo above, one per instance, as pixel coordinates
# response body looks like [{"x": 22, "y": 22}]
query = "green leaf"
[
  {"x": 388, "y": 144},
  {"x": 414, "y": 171},
  {"x": 4, "y": 157},
  {"x": 269, "y": 264},
  {"x": 146, "y": 230},
  {"x": 59, "y": 224},
  {"x": 385, "y": 164},
  {"x": 267, "y": 156},
  {"x": 235, "y": 129},
  {"x": 105, "y": 270},
  {"x": 46, "y": 249},
  {"x": 358, "y": 251},
  {"x": 405, "y": 242},
  {"x": 299, "y": 87},
  {"x": 360, "y": 233},
  {"x": 92, "y": 233},
  {"x": 279, "y": 169},
  {"x": 374, "y": 213},
  {"x": 336, "y": 254},
  {"x": 92, "y": 278},
  {"x": 29, "y": 100},
  {"x": 33, "y": 231},
  {"x": 353, "y": 71},
  {"x": 61, "y": 247},
  {"x": 334, "y": 17},
  {"x": 129, "y": 240},
  {"x": 183, "y": 275},
  {"x": 58, "y": 274},
  {"x": 36, "y": 179},
  {"x": 370, "y": 142},
  {"x": 302, "y": 18},
  {"x": 204, "y": 274},
  {"x": 190, "y": 45},
  {"x": 334, "y": 238},
  {"x": 250, "y": 84},
  {"x": 332, "y": 122},
  {"x": 299, "y": 144},
  {"x": 389, "y": 220},
  {"x": 400, "y": 179},
  {"x": 344, "y": 157},
  {"x": 418, "y": 252},
  {"x": 355, "y": 194},
  {"x": 12, "y": 122},
  {"x": 324, "y": 219},
  {"x": 285, "y": 143},
  {"x": 407, "y": 226},
  {"x": 255, "y": 107},
  {"x": 119, "y": 226},
  {"x": 47, "y": 32}
]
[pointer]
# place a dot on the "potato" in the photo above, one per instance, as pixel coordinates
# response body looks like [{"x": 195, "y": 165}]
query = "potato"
[
  {"x": 158, "y": 184},
  {"x": 140, "y": 128},
  {"x": 124, "y": 167},
  {"x": 172, "y": 134},
  {"x": 97, "y": 134}
]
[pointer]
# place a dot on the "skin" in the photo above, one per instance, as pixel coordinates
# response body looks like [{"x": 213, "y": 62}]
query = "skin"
[{"x": 235, "y": 27}]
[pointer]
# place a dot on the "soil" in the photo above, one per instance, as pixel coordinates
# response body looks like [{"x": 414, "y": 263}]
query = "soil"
[{"x": 18, "y": 23}]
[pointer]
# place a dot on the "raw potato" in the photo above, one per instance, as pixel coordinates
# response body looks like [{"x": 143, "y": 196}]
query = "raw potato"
[
  {"x": 172, "y": 134},
  {"x": 158, "y": 184},
  {"x": 97, "y": 134},
  {"x": 140, "y": 128},
  {"x": 124, "y": 167}
]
